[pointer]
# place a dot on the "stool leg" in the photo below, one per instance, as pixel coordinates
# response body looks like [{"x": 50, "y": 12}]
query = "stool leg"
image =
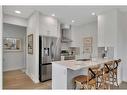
[
  {"x": 109, "y": 86},
  {"x": 117, "y": 81},
  {"x": 113, "y": 79},
  {"x": 85, "y": 86},
  {"x": 97, "y": 83},
  {"x": 81, "y": 87},
  {"x": 75, "y": 85}
]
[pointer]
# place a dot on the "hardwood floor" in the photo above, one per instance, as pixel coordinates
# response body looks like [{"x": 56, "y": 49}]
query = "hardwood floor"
[{"x": 19, "y": 80}]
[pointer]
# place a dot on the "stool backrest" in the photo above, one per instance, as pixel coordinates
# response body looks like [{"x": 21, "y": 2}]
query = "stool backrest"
[
  {"x": 116, "y": 62},
  {"x": 108, "y": 66},
  {"x": 92, "y": 72}
]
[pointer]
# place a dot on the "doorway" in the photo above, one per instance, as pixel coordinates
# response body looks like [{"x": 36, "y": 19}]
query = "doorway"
[{"x": 14, "y": 49}]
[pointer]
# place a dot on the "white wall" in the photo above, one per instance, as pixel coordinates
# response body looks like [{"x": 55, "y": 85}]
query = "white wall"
[
  {"x": 14, "y": 20},
  {"x": 1, "y": 47},
  {"x": 14, "y": 60},
  {"x": 121, "y": 43},
  {"x": 32, "y": 66},
  {"x": 79, "y": 32}
]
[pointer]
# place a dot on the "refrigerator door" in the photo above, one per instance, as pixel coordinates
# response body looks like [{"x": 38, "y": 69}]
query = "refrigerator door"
[
  {"x": 53, "y": 49},
  {"x": 46, "y": 72},
  {"x": 46, "y": 50},
  {"x": 57, "y": 49}
]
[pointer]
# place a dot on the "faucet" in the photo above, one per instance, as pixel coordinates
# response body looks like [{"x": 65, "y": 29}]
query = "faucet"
[{"x": 105, "y": 52}]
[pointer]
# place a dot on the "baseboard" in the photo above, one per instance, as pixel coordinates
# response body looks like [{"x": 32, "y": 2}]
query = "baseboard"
[
  {"x": 124, "y": 81},
  {"x": 32, "y": 78},
  {"x": 12, "y": 69}
]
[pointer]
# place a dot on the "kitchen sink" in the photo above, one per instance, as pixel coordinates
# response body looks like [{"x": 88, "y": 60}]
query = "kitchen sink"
[{"x": 82, "y": 59}]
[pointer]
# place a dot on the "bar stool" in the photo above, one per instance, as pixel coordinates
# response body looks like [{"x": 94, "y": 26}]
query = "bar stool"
[
  {"x": 87, "y": 81},
  {"x": 98, "y": 73},
  {"x": 92, "y": 78},
  {"x": 114, "y": 73},
  {"x": 105, "y": 77},
  {"x": 80, "y": 80}
]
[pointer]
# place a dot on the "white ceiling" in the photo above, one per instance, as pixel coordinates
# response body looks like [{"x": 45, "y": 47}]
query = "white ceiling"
[{"x": 81, "y": 14}]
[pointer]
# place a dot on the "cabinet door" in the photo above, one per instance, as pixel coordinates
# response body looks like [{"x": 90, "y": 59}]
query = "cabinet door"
[
  {"x": 100, "y": 31},
  {"x": 107, "y": 29},
  {"x": 53, "y": 30},
  {"x": 44, "y": 27},
  {"x": 49, "y": 27}
]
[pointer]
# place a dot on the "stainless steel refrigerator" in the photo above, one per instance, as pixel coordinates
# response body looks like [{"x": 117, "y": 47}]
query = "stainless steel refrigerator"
[{"x": 49, "y": 50}]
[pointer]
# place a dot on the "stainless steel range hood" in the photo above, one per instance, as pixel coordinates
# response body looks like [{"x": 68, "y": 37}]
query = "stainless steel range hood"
[
  {"x": 65, "y": 40},
  {"x": 65, "y": 33}
]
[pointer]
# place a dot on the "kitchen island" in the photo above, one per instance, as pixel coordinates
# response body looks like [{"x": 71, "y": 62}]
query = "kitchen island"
[{"x": 63, "y": 72}]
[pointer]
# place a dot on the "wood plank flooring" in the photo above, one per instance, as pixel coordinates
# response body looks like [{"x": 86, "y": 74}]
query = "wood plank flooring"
[{"x": 19, "y": 80}]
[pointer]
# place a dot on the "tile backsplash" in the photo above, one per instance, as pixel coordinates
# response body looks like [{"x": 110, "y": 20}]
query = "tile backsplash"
[{"x": 109, "y": 53}]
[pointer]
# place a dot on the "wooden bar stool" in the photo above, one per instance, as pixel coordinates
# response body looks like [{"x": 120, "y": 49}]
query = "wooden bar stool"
[
  {"x": 87, "y": 81},
  {"x": 80, "y": 80},
  {"x": 105, "y": 78},
  {"x": 114, "y": 73},
  {"x": 98, "y": 73},
  {"x": 92, "y": 78}
]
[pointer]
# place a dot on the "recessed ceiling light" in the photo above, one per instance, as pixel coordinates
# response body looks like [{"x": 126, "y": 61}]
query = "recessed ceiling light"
[
  {"x": 93, "y": 13},
  {"x": 17, "y": 12},
  {"x": 53, "y": 14},
  {"x": 72, "y": 21}
]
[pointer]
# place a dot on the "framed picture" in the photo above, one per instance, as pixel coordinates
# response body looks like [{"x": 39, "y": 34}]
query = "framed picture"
[
  {"x": 11, "y": 44},
  {"x": 30, "y": 44},
  {"x": 87, "y": 49},
  {"x": 87, "y": 45},
  {"x": 88, "y": 41}
]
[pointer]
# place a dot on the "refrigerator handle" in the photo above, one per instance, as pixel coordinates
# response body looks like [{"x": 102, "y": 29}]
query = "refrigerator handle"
[{"x": 51, "y": 49}]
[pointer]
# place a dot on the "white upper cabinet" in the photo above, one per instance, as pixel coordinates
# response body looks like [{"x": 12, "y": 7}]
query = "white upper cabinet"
[
  {"x": 107, "y": 29},
  {"x": 100, "y": 31},
  {"x": 49, "y": 26}
]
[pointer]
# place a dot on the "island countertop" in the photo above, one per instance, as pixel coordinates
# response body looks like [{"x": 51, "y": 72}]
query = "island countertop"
[{"x": 76, "y": 65}]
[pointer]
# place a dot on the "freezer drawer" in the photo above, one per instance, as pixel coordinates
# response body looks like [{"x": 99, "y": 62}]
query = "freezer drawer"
[{"x": 46, "y": 72}]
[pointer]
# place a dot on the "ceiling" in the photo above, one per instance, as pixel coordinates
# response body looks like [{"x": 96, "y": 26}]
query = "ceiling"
[{"x": 81, "y": 14}]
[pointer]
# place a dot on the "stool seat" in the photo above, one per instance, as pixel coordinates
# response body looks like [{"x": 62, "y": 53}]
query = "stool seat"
[
  {"x": 81, "y": 78},
  {"x": 92, "y": 81}
]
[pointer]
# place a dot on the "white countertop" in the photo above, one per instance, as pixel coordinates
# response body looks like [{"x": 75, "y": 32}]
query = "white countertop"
[{"x": 76, "y": 65}]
